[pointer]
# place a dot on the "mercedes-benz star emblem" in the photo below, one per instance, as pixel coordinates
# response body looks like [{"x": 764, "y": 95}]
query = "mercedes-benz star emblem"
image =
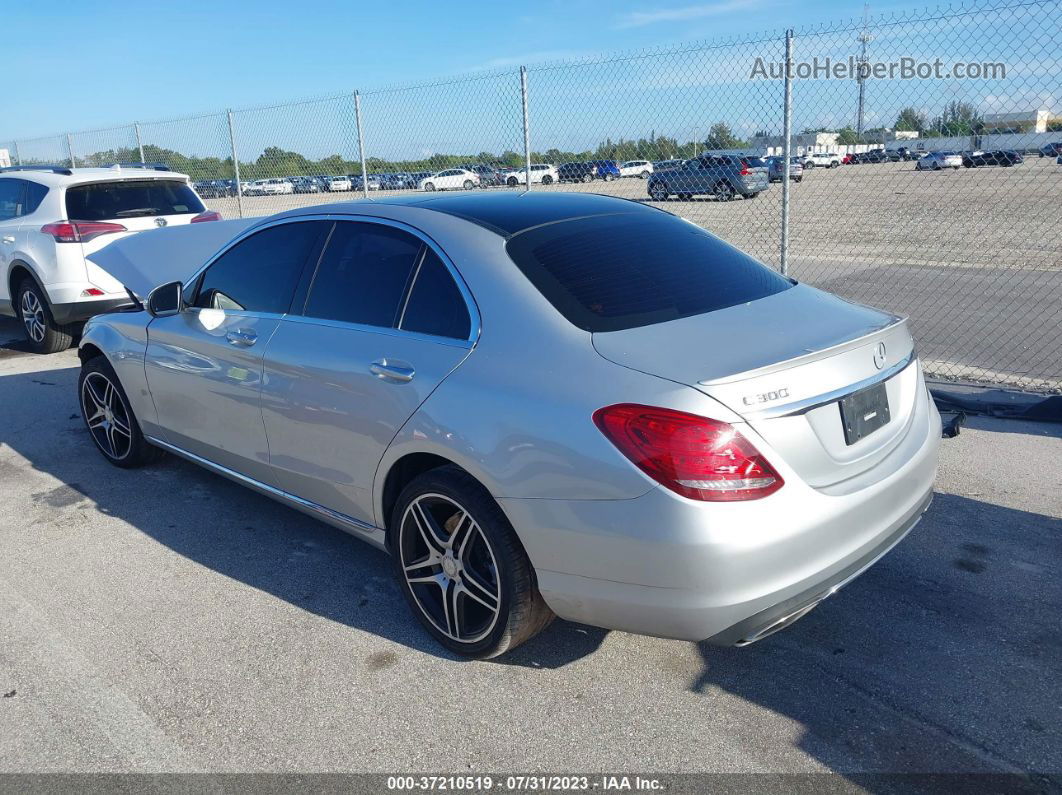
[
  {"x": 879, "y": 355},
  {"x": 160, "y": 222}
]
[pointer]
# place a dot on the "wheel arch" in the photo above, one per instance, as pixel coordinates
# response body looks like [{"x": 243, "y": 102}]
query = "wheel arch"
[
  {"x": 16, "y": 272},
  {"x": 401, "y": 473}
]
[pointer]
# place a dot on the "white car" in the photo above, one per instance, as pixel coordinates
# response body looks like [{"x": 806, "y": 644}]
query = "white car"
[
  {"x": 636, "y": 168},
  {"x": 540, "y": 172},
  {"x": 337, "y": 184},
  {"x": 450, "y": 179},
  {"x": 271, "y": 187},
  {"x": 52, "y": 218},
  {"x": 823, "y": 159},
  {"x": 935, "y": 161}
]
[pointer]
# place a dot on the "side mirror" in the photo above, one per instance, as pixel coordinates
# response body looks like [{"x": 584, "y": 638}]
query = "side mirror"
[{"x": 166, "y": 300}]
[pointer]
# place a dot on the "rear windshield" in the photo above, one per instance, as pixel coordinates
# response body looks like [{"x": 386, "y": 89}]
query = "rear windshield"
[
  {"x": 620, "y": 271},
  {"x": 102, "y": 201}
]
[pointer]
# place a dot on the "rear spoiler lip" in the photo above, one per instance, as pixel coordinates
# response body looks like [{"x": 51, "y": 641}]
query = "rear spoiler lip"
[{"x": 891, "y": 322}]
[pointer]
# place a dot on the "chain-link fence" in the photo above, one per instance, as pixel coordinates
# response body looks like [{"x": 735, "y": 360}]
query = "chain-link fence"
[{"x": 924, "y": 170}]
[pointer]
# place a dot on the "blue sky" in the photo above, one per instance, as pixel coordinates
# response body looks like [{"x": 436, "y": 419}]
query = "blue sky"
[
  {"x": 151, "y": 61},
  {"x": 89, "y": 65}
]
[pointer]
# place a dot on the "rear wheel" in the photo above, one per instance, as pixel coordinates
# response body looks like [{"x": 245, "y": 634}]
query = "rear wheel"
[
  {"x": 644, "y": 175},
  {"x": 468, "y": 184},
  {"x": 588, "y": 177},
  {"x": 512, "y": 182},
  {"x": 658, "y": 191},
  {"x": 809, "y": 164},
  {"x": 724, "y": 192},
  {"x": 547, "y": 180},
  {"x": 43, "y": 333},
  {"x": 462, "y": 568},
  {"x": 109, "y": 418},
  {"x": 609, "y": 177},
  {"x": 429, "y": 186}
]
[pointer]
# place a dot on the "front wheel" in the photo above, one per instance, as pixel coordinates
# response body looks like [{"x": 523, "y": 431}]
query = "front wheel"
[
  {"x": 43, "y": 333},
  {"x": 588, "y": 177},
  {"x": 462, "y": 568},
  {"x": 109, "y": 418},
  {"x": 644, "y": 175},
  {"x": 547, "y": 180},
  {"x": 429, "y": 186},
  {"x": 658, "y": 191},
  {"x": 809, "y": 164},
  {"x": 468, "y": 184},
  {"x": 512, "y": 182},
  {"x": 609, "y": 177},
  {"x": 724, "y": 192}
]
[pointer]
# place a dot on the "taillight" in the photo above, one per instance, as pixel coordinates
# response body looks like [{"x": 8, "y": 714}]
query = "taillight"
[
  {"x": 744, "y": 169},
  {"x": 206, "y": 215},
  {"x": 697, "y": 457},
  {"x": 80, "y": 231}
]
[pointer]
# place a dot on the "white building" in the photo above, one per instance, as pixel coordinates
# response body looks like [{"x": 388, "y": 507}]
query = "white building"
[{"x": 1026, "y": 121}]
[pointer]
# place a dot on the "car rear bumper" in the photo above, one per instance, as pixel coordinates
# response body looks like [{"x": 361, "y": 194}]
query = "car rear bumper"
[
  {"x": 666, "y": 566},
  {"x": 80, "y": 311}
]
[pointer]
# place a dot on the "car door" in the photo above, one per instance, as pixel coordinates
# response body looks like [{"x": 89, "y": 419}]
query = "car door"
[
  {"x": 204, "y": 364},
  {"x": 385, "y": 321}
]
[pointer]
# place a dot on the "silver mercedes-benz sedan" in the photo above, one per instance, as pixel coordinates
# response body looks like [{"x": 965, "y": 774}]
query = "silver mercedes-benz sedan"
[{"x": 539, "y": 405}]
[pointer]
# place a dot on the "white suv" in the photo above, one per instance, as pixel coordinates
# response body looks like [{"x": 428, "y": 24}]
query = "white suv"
[
  {"x": 52, "y": 218},
  {"x": 824, "y": 159}
]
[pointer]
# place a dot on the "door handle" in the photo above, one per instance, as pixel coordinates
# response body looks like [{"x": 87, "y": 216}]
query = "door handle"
[
  {"x": 242, "y": 336},
  {"x": 392, "y": 370},
  {"x": 9, "y": 238}
]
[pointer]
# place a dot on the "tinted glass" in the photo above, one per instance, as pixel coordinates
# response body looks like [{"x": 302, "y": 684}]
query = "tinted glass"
[
  {"x": 104, "y": 201},
  {"x": 363, "y": 274},
  {"x": 259, "y": 274},
  {"x": 436, "y": 305},
  {"x": 612, "y": 272},
  {"x": 35, "y": 194},
  {"x": 10, "y": 198}
]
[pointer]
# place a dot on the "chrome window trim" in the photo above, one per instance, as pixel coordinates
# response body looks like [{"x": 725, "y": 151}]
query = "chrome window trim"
[
  {"x": 817, "y": 401},
  {"x": 475, "y": 324},
  {"x": 356, "y": 525}
]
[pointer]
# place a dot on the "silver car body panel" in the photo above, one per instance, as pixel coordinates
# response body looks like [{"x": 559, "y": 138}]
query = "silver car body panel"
[{"x": 513, "y": 405}]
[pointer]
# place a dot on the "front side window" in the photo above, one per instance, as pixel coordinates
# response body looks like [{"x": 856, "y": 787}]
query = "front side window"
[
  {"x": 107, "y": 201},
  {"x": 260, "y": 273},
  {"x": 363, "y": 274}
]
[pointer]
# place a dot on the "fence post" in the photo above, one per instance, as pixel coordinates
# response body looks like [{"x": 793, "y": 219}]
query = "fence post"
[
  {"x": 70, "y": 150},
  {"x": 527, "y": 130},
  {"x": 18, "y": 155},
  {"x": 787, "y": 146},
  {"x": 235, "y": 165},
  {"x": 139, "y": 141},
  {"x": 361, "y": 145}
]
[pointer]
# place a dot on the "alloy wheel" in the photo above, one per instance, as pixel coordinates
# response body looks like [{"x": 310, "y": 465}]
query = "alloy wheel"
[
  {"x": 33, "y": 317},
  {"x": 105, "y": 415},
  {"x": 450, "y": 568}
]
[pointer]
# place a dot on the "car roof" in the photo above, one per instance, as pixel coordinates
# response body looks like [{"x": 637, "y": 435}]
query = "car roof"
[
  {"x": 506, "y": 214},
  {"x": 62, "y": 177}
]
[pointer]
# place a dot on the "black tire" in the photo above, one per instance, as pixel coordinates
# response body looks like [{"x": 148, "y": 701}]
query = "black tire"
[
  {"x": 609, "y": 176},
  {"x": 468, "y": 184},
  {"x": 512, "y": 182},
  {"x": 116, "y": 433},
  {"x": 810, "y": 164},
  {"x": 35, "y": 314},
  {"x": 491, "y": 560},
  {"x": 644, "y": 175},
  {"x": 724, "y": 192},
  {"x": 658, "y": 191},
  {"x": 429, "y": 186},
  {"x": 751, "y": 195},
  {"x": 547, "y": 180},
  {"x": 798, "y": 179},
  {"x": 588, "y": 177}
]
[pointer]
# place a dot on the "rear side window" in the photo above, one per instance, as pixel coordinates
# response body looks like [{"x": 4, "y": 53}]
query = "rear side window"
[
  {"x": 613, "y": 272},
  {"x": 105, "y": 201},
  {"x": 435, "y": 304},
  {"x": 363, "y": 274},
  {"x": 260, "y": 273},
  {"x": 10, "y": 198}
]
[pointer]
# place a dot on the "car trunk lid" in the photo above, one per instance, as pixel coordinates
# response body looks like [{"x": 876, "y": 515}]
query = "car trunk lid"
[{"x": 784, "y": 363}]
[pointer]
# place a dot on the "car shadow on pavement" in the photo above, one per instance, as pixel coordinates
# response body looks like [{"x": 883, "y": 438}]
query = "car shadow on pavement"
[
  {"x": 227, "y": 527},
  {"x": 943, "y": 657}
]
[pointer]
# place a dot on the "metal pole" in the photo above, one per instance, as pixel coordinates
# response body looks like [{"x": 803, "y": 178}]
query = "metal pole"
[
  {"x": 527, "y": 130},
  {"x": 787, "y": 147},
  {"x": 70, "y": 150},
  {"x": 361, "y": 145},
  {"x": 18, "y": 155},
  {"x": 139, "y": 141},
  {"x": 236, "y": 166}
]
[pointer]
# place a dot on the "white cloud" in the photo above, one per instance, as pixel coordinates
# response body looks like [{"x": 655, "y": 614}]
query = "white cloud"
[{"x": 637, "y": 19}]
